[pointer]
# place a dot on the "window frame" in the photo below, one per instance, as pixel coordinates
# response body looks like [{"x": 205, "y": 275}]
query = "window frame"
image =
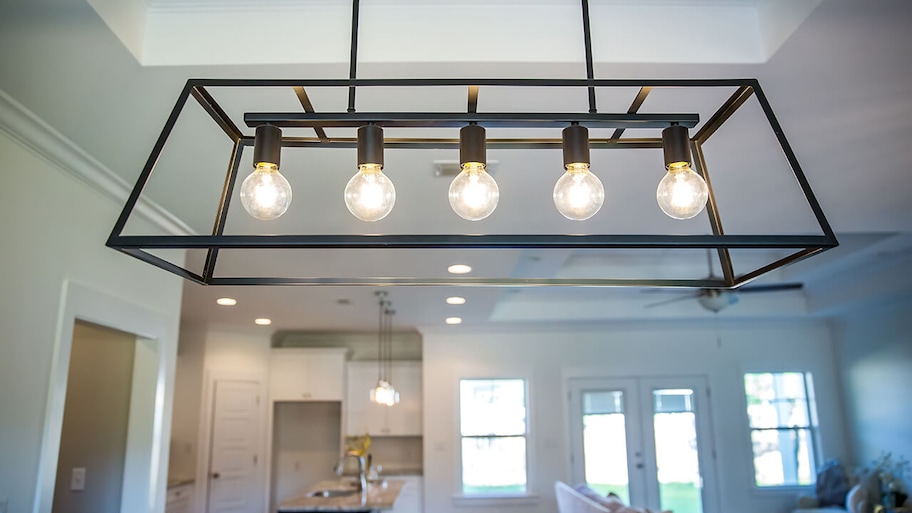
[
  {"x": 493, "y": 499},
  {"x": 813, "y": 429}
]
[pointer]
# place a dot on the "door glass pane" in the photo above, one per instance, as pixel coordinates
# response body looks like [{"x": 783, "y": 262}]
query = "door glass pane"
[
  {"x": 680, "y": 484},
  {"x": 605, "y": 443},
  {"x": 492, "y": 465}
]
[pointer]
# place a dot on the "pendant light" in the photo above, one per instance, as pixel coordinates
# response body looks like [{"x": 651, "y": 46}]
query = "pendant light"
[
  {"x": 384, "y": 393},
  {"x": 682, "y": 194},
  {"x": 473, "y": 193},
  {"x": 370, "y": 194},
  {"x": 265, "y": 193},
  {"x": 578, "y": 194}
]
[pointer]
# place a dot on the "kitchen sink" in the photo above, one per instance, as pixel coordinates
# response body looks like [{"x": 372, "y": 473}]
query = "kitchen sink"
[{"x": 332, "y": 493}]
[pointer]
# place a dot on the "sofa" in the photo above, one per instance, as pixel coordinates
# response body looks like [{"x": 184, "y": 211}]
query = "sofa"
[{"x": 856, "y": 502}]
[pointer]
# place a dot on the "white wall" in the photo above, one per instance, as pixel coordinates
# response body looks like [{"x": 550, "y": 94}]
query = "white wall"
[
  {"x": 875, "y": 353},
  {"x": 548, "y": 357},
  {"x": 53, "y": 229}
]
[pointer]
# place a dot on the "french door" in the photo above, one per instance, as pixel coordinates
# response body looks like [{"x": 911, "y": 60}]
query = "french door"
[{"x": 646, "y": 440}]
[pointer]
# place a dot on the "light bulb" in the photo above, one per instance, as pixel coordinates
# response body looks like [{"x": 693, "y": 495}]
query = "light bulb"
[
  {"x": 578, "y": 194},
  {"x": 473, "y": 193},
  {"x": 384, "y": 394},
  {"x": 265, "y": 193},
  {"x": 370, "y": 194},
  {"x": 682, "y": 193}
]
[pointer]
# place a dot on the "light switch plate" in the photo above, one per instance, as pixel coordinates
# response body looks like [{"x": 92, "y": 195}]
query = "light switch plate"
[
  {"x": 3, "y": 504},
  {"x": 78, "y": 479}
]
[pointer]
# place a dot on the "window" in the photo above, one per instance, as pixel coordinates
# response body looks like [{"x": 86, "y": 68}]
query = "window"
[
  {"x": 783, "y": 427},
  {"x": 493, "y": 429}
]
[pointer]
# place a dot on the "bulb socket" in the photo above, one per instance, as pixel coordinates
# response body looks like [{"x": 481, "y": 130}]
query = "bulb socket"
[
  {"x": 576, "y": 144},
  {"x": 676, "y": 143},
  {"x": 267, "y": 145},
  {"x": 370, "y": 145},
  {"x": 472, "y": 145}
]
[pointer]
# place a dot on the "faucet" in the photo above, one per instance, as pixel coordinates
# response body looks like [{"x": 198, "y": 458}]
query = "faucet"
[{"x": 362, "y": 472}]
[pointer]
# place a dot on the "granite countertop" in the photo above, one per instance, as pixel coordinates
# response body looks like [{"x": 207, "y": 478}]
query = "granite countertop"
[{"x": 378, "y": 497}]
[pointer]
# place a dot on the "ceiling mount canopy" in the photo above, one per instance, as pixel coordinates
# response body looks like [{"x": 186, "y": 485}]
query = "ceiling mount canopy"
[{"x": 684, "y": 193}]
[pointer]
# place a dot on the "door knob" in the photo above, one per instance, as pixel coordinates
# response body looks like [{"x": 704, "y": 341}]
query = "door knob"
[
  {"x": 639, "y": 465},
  {"x": 216, "y": 475}
]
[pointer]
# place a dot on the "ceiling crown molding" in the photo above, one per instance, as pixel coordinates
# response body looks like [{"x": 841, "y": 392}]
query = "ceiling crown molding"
[{"x": 29, "y": 130}]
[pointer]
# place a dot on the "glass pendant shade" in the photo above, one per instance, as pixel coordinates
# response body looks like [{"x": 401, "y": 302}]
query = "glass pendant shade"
[
  {"x": 474, "y": 193},
  {"x": 265, "y": 193},
  {"x": 384, "y": 394},
  {"x": 682, "y": 194},
  {"x": 578, "y": 194},
  {"x": 370, "y": 195}
]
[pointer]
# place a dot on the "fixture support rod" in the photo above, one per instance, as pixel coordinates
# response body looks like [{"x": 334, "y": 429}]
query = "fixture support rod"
[
  {"x": 353, "y": 59},
  {"x": 590, "y": 70}
]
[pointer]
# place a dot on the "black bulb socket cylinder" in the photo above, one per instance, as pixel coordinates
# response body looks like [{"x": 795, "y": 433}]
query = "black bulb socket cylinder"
[
  {"x": 472, "y": 145},
  {"x": 370, "y": 145},
  {"x": 576, "y": 144},
  {"x": 267, "y": 145},
  {"x": 676, "y": 142}
]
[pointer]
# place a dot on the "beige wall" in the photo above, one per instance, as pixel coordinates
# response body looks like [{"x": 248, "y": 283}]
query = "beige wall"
[
  {"x": 53, "y": 229},
  {"x": 95, "y": 419}
]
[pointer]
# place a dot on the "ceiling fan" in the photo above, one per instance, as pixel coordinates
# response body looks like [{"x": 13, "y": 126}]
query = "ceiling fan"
[{"x": 716, "y": 300}]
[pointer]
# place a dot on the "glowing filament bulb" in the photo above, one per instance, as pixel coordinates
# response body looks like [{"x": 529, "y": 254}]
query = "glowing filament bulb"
[
  {"x": 682, "y": 194},
  {"x": 370, "y": 194},
  {"x": 578, "y": 194},
  {"x": 265, "y": 193},
  {"x": 474, "y": 193}
]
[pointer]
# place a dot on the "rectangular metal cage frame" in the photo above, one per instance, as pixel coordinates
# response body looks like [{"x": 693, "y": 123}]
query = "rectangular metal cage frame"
[{"x": 800, "y": 246}]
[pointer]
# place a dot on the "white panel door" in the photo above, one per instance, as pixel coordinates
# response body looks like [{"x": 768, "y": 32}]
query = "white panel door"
[{"x": 234, "y": 484}]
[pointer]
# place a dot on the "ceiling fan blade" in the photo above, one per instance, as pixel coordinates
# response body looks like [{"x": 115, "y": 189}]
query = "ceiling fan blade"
[
  {"x": 772, "y": 287},
  {"x": 672, "y": 300}
]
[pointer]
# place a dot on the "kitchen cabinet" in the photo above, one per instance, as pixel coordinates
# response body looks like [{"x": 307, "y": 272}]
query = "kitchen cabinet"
[
  {"x": 364, "y": 416},
  {"x": 179, "y": 499},
  {"x": 410, "y": 499},
  {"x": 307, "y": 374}
]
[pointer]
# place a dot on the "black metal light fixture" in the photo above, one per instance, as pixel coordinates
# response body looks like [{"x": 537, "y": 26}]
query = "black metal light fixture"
[
  {"x": 265, "y": 193},
  {"x": 685, "y": 191},
  {"x": 370, "y": 194},
  {"x": 473, "y": 193},
  {"x": 578, "y": 194},
  {"x": 682, "y": 193}
]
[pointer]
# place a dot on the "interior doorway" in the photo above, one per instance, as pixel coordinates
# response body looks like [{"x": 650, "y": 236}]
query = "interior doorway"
[
  {"x": 108, "y": 405},
  {"x": 646, "y": 440}
]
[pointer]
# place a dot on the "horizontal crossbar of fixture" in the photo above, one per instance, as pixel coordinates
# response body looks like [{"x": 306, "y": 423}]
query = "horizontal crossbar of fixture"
[
  {"x": 424, "y": 241},
  {"x": 443, "y": 143},
  {"x": 458, "y": 120}
]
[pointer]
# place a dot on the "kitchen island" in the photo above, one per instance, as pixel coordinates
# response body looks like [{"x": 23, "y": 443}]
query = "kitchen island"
[{"x": 342, "y": 495}]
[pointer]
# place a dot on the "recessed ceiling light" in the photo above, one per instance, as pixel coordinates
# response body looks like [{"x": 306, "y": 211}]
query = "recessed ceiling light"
[
  {"x": 343, "y": 301},
  {"x": 459, "y": 269},
  {"x": 262, "y": 321},
  {"x": 455, "y": 300},
  {"x": 226, "y": 301},
  {"x": 454, "y": 320}
]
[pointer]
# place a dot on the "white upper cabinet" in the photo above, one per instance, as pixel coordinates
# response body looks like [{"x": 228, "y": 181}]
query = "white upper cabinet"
[
  {"x": 307, "y": 374},
  {"x": 366, "y": 417}
]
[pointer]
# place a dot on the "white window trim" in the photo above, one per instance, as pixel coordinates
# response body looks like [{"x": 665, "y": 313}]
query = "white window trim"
[
  {"x": 814, "y": 429},
  {"x": 494, "y": 499}
]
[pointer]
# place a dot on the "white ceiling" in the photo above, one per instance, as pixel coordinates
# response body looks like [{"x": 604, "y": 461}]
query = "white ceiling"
[{"x": 839, "y": 84}]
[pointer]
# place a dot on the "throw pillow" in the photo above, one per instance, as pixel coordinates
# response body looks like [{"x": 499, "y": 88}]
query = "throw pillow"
[{"x": 832, "y": 484}]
